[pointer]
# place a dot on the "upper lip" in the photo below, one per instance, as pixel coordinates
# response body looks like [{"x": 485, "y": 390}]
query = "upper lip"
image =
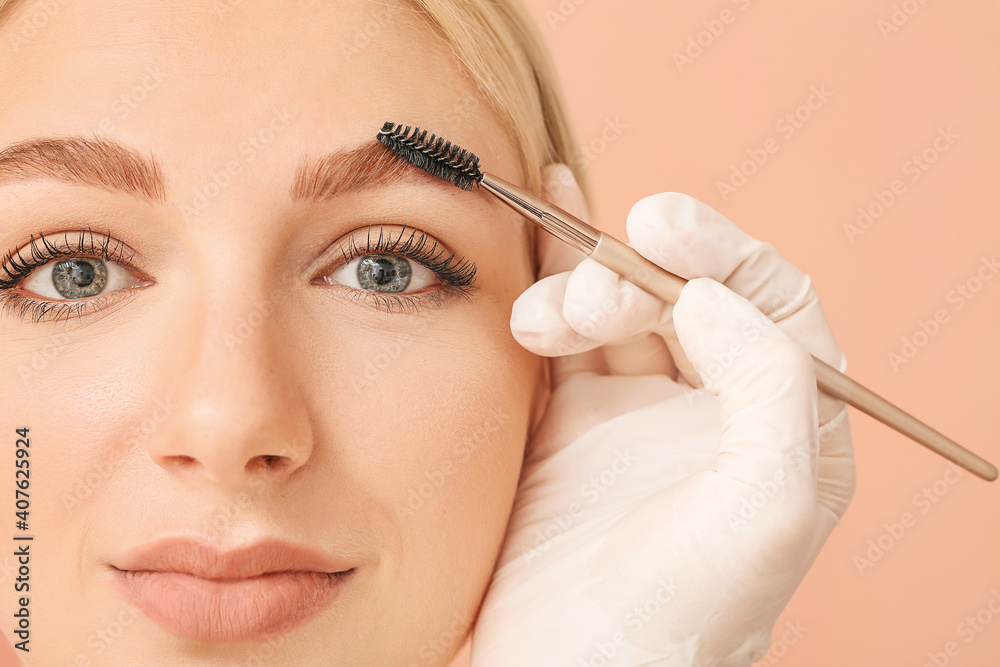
[{"x": 186, "y": 555}]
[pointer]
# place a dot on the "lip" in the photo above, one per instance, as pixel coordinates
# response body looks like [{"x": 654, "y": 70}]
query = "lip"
[{"x": 200, "y": 592}]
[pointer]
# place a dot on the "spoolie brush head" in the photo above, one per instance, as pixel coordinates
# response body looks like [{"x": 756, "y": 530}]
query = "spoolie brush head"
[{"x": 437, "y": 157}]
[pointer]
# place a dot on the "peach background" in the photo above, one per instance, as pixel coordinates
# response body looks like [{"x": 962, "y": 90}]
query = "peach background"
[{"x": 684, "y": 130}]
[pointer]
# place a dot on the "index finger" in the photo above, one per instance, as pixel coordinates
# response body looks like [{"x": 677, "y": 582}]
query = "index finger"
[{"x": 693, "y": 240}]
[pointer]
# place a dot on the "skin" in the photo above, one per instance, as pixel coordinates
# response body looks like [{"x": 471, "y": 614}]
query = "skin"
[{"x": 147, "y": 419}]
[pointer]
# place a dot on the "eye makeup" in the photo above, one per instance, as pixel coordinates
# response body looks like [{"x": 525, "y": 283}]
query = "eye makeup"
[
  {"x": 64, "y": 247},
  {"x": 457, "y": 275},
  {"x": 383, "y": 271}
]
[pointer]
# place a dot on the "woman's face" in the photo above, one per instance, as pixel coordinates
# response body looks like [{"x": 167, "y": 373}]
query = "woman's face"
[{"x": 232, "y": 347}]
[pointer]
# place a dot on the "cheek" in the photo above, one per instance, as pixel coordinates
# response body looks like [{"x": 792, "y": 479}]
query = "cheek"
[
  {"x": 79, "y": 397},
  {"x": 438, "y": 419},
  {"x": 435, "y": 432}
]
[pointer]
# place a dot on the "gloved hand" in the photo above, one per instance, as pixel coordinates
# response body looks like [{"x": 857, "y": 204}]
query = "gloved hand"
[{"x": 685, "y": 473}]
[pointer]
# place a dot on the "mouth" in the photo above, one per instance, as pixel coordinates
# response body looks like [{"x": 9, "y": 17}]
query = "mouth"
[{"x": 199, "y": 592}]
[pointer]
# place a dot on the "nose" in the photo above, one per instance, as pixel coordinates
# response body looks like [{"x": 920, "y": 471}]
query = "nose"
[{"x": 238, "y": 415}]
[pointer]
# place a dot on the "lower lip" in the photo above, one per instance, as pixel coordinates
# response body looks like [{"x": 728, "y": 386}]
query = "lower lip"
[{"x": 229, "y": 610}]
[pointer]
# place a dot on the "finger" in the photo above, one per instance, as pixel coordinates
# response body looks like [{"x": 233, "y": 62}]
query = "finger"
[
  {"x": 805, "y": 327},
  {"x": 601, "y": 308},
  {"x": 601, "y": 305},
  {"x": 586, "y": 308},
  {"x": 765, "y": 383},
  {"x": 536, "y": 320},
  {"x": 604, "y": 307},
  {"x": 691, "y": 239},
  {"x": 836, "y": 477},
  {"x": 647, "y": 355},
  {"x": 685, "y": 369},
  {"x": 536, "y": 315},
  {"x": 569, "y": 365}
]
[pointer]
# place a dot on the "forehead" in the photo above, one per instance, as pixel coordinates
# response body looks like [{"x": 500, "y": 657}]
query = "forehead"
[{"x": 207, "y": 74}]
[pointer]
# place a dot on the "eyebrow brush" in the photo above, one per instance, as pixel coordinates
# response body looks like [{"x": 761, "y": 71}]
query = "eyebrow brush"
[{"x": 460, "y": 167}]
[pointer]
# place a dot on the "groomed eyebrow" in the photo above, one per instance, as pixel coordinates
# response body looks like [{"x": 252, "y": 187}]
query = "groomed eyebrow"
[
  {"x": 108, "y": 164},
  {"x": 102, "y": 163},
  {"x": 366, "y": 167}
]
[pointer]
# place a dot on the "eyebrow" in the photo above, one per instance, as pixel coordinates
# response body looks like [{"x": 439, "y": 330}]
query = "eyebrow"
[
  {"x": 109, "y": 164},
  {"x": 366, "y": 167},
  {"x": 98, "y": 162}
]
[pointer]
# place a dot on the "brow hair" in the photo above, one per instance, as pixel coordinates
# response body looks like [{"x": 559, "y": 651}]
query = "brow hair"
[
  {"x": 368, "y": 166},
  {"x": 91, "y": 161},
  {"x": 108, "y": 164}
]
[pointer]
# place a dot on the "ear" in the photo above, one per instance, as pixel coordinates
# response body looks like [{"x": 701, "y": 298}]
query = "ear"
[{"x": 559, "y": 187}]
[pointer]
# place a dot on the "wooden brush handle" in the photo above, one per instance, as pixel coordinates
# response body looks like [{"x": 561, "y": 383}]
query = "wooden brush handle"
[{"x": 639, "y": 271}]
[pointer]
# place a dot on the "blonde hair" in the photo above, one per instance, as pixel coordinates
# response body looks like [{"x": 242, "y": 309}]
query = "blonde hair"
[{"x": 501, "y": 47}]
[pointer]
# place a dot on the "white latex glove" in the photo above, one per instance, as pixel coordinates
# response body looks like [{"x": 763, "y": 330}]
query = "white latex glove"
[{"x": 684, "y": 475}]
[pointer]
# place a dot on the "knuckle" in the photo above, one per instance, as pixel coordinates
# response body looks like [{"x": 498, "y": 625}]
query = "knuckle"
[{"x": 657, "y": 219}]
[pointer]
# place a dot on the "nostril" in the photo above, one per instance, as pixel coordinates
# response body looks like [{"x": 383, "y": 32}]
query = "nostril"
[
  {"x": 178, "y": 464},
  {"x": 268, "y": 462}
]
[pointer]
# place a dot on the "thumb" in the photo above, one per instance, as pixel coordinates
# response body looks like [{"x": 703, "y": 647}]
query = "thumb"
[
  {"x": 765, "y": 383},
  {"x": 536, "y": 321}
]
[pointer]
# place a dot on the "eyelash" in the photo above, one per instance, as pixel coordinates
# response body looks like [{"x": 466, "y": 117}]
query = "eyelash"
[
  {"x": 17, "y": 269},
  {"x": 457, "y": 274}
]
